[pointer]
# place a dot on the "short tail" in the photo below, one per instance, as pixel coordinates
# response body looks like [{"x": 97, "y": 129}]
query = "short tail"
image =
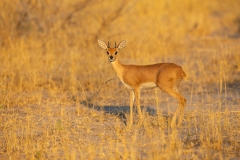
[{"x": 183, "y": 74}]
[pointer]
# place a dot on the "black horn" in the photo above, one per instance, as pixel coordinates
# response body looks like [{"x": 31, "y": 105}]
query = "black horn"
[
  {"x": 115, "y": 45},
  {"x": 108, "y": 45}
]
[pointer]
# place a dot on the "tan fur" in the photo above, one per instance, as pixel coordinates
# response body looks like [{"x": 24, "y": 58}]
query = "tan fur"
[{"x": 166, "y": 76}]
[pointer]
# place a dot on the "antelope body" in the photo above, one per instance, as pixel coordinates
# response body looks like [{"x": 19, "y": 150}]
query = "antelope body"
[{"x": 166, "y": 76}]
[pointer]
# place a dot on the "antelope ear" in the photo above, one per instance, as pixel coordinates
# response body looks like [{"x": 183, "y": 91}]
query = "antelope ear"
[
  {"x": 122, "y": 44},
  {"x": 102, "y": 44}
]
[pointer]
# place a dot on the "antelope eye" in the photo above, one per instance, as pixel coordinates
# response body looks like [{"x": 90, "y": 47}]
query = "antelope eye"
[
  {"x": 116, "y": 53},
  {"x": 108, "y": 53}
]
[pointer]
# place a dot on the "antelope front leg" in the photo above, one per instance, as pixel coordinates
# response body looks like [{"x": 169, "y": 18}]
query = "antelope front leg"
[
  {"x": 137, "y": 93},
  {"x": 132, "y": 96}
]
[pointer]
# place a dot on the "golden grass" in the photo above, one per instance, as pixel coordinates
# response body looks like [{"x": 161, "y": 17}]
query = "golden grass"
[{"x": 51, "y": 65}]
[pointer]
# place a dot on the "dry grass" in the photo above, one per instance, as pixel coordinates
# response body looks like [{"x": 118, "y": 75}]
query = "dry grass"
[{"x": 51, "y": 64}]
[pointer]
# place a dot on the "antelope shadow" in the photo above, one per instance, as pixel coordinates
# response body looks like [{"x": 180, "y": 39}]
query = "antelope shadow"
[{"x": 119, "y": 111}]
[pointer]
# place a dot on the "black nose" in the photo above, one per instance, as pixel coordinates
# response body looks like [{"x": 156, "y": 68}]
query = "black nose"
[{"x": 111, "y": 57}]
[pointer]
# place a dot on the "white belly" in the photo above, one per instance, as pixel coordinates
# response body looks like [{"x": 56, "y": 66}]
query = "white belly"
[{"x": 149, "y": 85}]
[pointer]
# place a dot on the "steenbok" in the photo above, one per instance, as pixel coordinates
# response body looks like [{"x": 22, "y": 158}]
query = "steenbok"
[{"x": 166, "y": 76}]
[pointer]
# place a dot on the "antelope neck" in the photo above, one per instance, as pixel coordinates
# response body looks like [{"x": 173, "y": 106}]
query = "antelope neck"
[{"x": 118, "y": 67}]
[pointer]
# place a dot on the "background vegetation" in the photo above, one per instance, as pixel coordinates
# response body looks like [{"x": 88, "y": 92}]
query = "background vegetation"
[{"x": 51, "y": 64}]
